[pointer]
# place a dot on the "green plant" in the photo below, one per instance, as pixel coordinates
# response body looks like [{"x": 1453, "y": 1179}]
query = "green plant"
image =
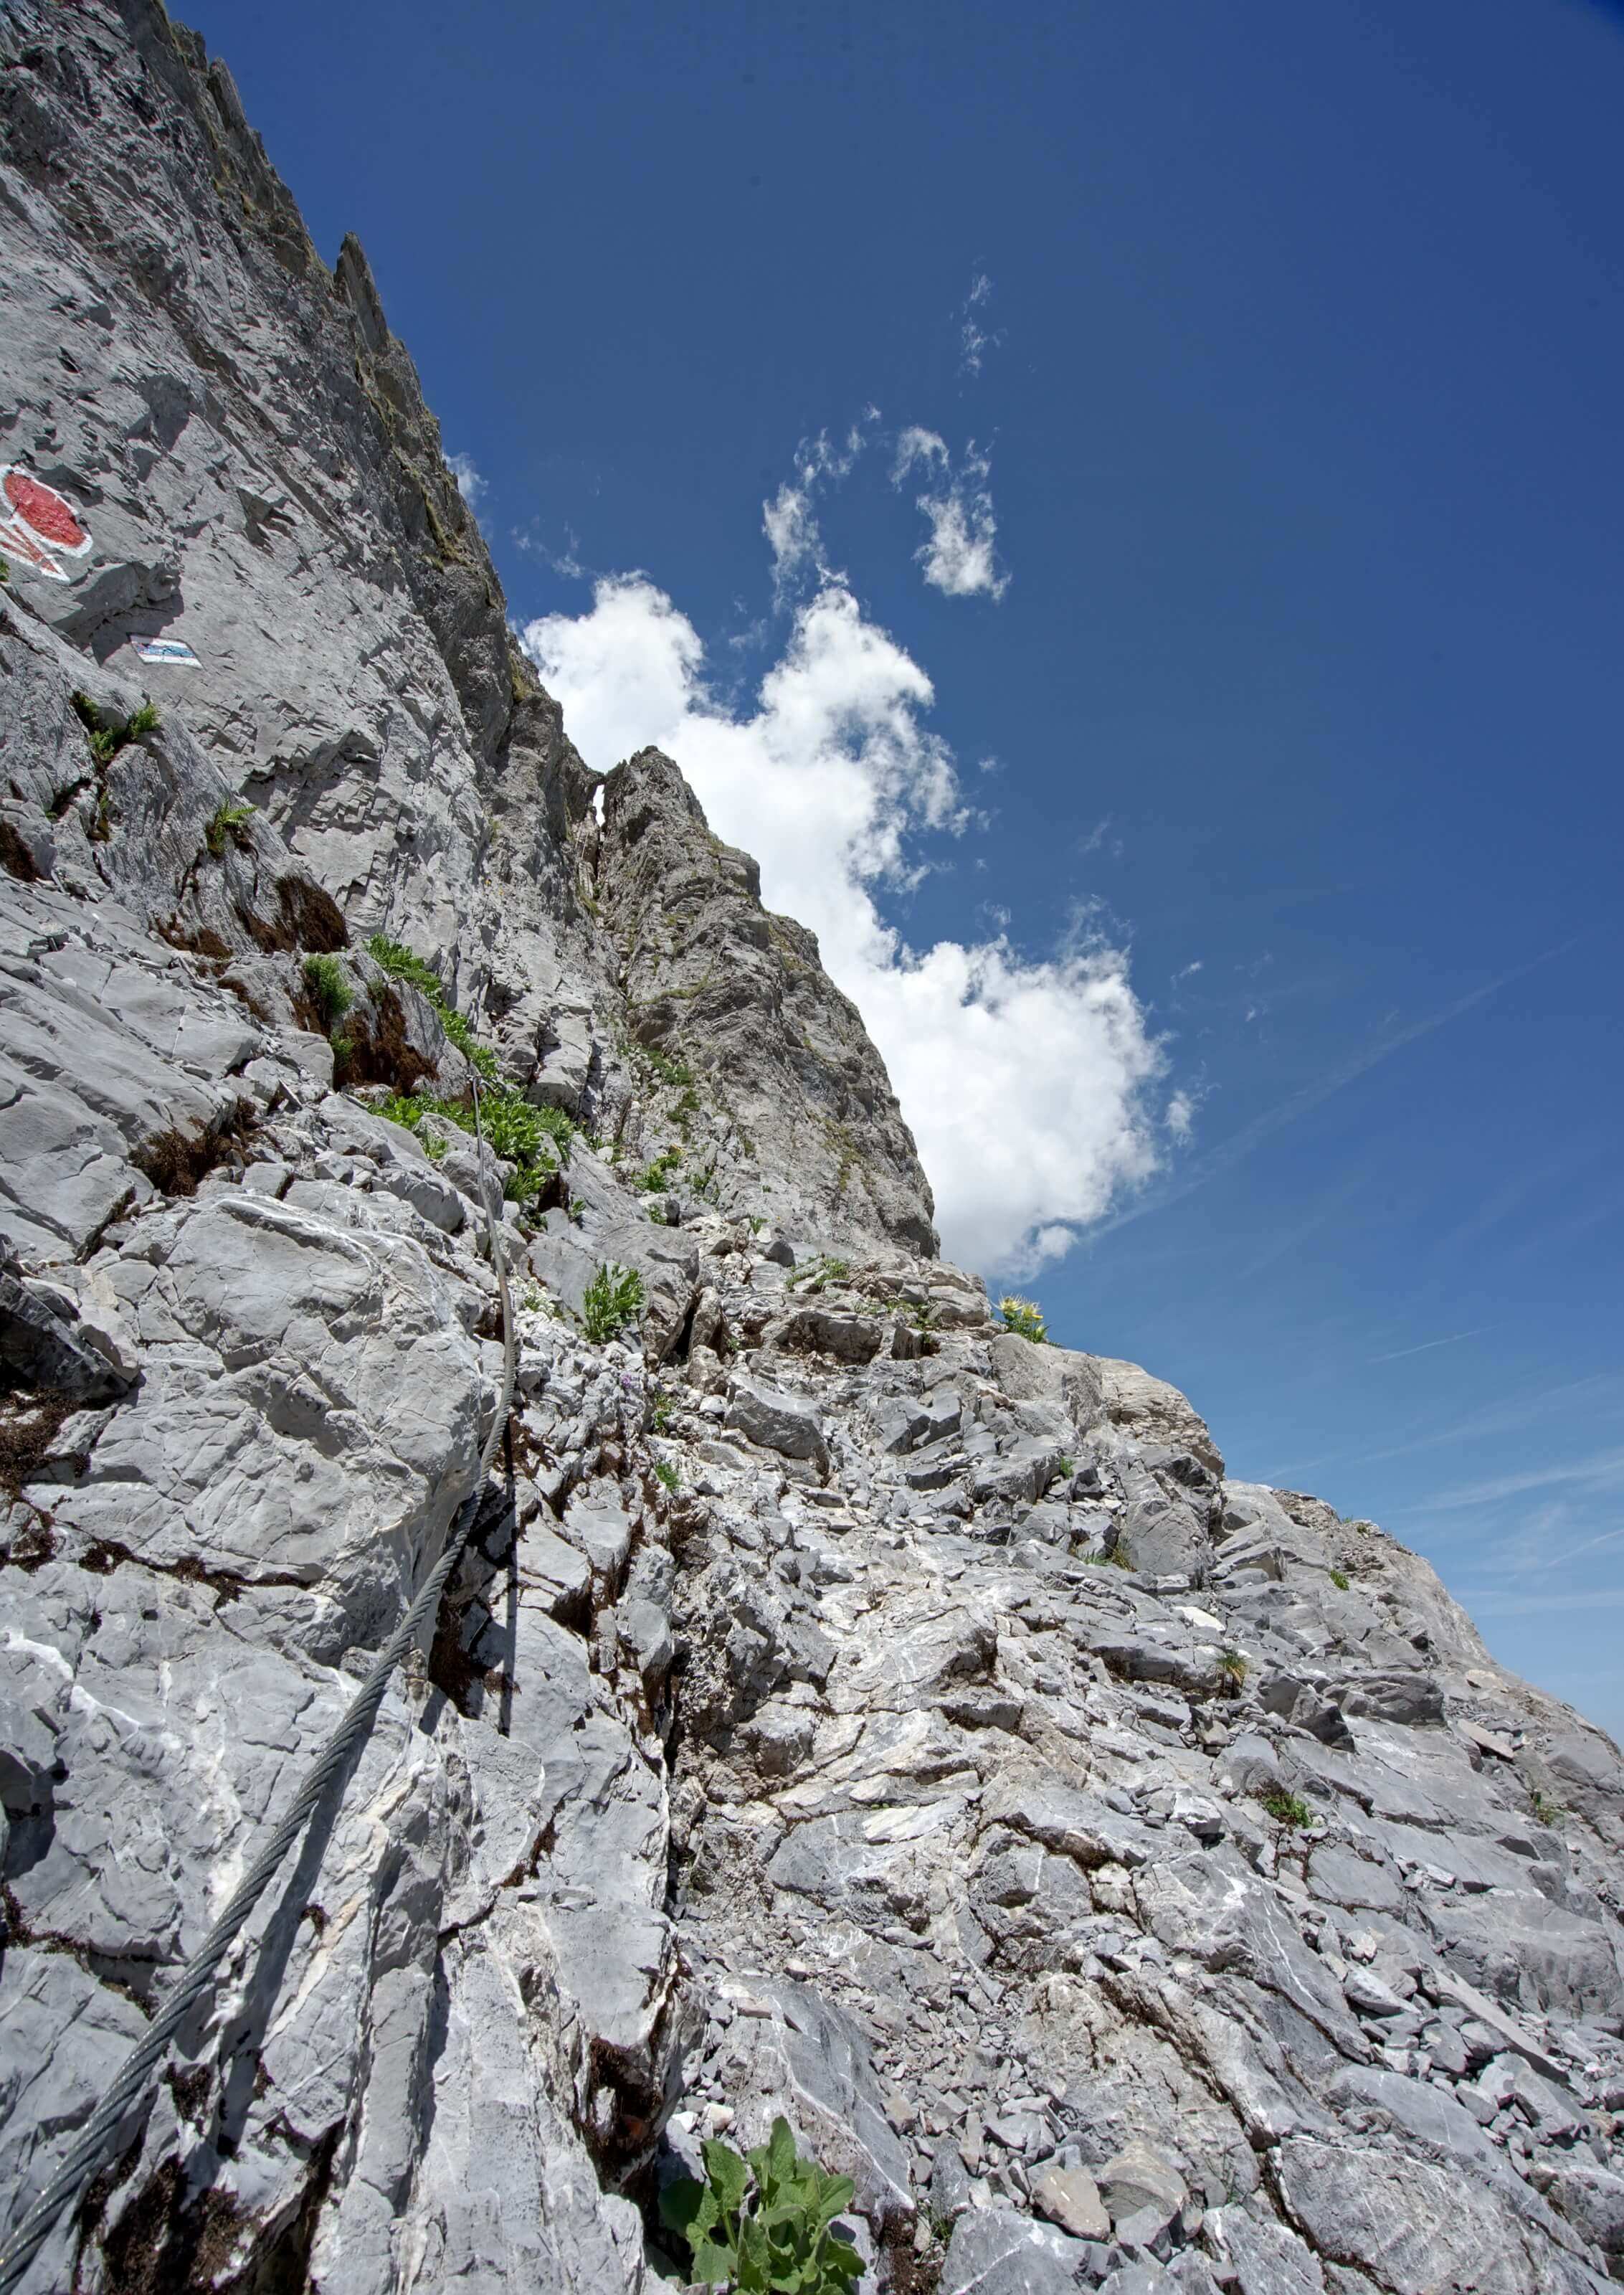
[
  {"x": 533, "y": 1299},
  {"x": 229, "y": 819},
  {"x": 1286, "y": 1807},
  {"x": 654, "y": 1178},
  {"x": 401, "y": 963},
  {"x": 817, "y": 1274},
  {"x": 1339, "y": 1579},
  {"x": 664, "y": 1472},
  {"x": 328, "y": 991},
  {"x": 145, "y": 720},
  {"x": 1065, "y": 1468},
  {"x": 1025, "y": 1317},
  {"x": 660, "y": 1407},
  {"x": 612, "y": 1299},
  {"x": 1232, "y": 1665},
  {"x": 779, "y": 2239},
  {"x": 1114, "y": 1560},
  {"x": 5, "y": 570},
  {"x": 1547, "y": 1811}
]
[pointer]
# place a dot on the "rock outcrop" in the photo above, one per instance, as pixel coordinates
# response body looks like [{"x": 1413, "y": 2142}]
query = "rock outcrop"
[{"x": 1132, "y": 1878}]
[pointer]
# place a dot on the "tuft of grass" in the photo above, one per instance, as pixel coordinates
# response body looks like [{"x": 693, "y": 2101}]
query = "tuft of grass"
[
  {"x": 229, "y": 820},
  {"x": 656, "y": 1062},
  {"x": 1232, "y": 1665},
  {"x": 536, "y": 1140},
  {"x": 403, "y": 963},
  {"x": 328, "y": 991},
  {"x": 1547, "y": 1811},
  {"x": 1288, "y": 1808},
  {"x": 612, "y": 1299},
  {"x": 1065, "y": 1468},
  {"x": 654, "y": 1178},
  {"x": 665, "y": 1473},
  {"x": 1025, "y": 1317},
  {"x": 145, "y": 720},
  {"x": 1339, "y": 1579},
  {"x": 660, "y": 1407}
]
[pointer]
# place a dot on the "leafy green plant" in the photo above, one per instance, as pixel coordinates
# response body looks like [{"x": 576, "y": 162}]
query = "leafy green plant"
[
  {"x": 664, "y": 1472},
  {"x": 145, "y": 720},
  {"x": 1547, "y": 1811},
  {"x": 5, "y": 570},
  {"x": 654, "y": 1178},
  {"x": 229, "y": 819},
  {"x": 1286, "y": 1807},
  {"x": 653, "y": 1062},
  {"x": 462, "y": 1034},
  {"x": 329, "y": 992},
  {"x": 1232, "y": 1665},
  {"x": 660, "y": 1407},
  {"x": 533, "y": 1299},
  {"x": 817, "y": 1274},
  {"x": 1339, "y": 1579},
  {"x": 402, "y": 964},
  {"x": 1065, "y": 1468},
  {"x": 777, "y": 2238},
  {"x": 612, "y": 1299},
  {"x": 1025, "y": 1317}
]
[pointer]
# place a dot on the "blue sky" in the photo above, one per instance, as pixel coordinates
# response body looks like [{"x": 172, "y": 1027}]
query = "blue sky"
[{"x": 1189, "y": 622}]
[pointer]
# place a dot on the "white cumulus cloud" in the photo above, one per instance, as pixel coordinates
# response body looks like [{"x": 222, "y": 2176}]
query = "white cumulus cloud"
[
  {"x": 1029, "y": 1083},
  {"x": 959, "y": 556}
]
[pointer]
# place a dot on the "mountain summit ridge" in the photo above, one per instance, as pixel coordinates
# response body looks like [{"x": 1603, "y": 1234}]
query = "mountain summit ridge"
[{"x": 1132, "y": 1877}]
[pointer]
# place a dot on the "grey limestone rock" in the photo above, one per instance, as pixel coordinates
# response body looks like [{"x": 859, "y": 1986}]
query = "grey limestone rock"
[
  {"x": 999, "y": 2252},
  {"x": 781, "y": 1744}
]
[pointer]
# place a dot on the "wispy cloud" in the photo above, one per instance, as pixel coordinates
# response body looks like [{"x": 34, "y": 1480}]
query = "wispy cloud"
[
  {"x": 959, "y": 556},
  {"x": 974, "y": 339},
  {"x": 1234, "y": 1150},
  {"x": 566, "y": 561},
  {"x": 1506, "y": 1601},
  {"x": 1605, "y": 1469},
  {"x": 470, "y": 485},
  {"x": 790, "y": 520},
  {"x": 1497, "y": 1417},
  {"x": 1287, "y": 1240},
  {"x": 1399, "y": 1354}
]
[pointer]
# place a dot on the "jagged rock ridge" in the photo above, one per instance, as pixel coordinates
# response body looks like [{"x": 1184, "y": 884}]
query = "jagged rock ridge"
[{"x": 1132, "y": 1877}]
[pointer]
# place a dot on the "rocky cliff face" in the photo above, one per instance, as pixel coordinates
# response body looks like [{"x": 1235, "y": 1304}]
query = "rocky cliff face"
[{"x": 1132, "y": 1877}]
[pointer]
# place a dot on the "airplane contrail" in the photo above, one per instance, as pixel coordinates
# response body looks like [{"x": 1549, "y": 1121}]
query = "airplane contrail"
[{"x": 1231, "y": 1151}]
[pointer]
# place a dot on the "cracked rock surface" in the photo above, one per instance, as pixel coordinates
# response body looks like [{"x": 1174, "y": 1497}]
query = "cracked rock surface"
[{"x": 1132, "y": 1878}]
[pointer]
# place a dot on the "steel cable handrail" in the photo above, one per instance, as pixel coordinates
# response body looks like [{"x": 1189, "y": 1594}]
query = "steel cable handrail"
[{"x": 140, "y": 2069}]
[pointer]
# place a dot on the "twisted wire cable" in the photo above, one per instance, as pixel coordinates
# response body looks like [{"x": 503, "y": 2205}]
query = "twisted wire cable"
[{"x": 140, "y": 2072}]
